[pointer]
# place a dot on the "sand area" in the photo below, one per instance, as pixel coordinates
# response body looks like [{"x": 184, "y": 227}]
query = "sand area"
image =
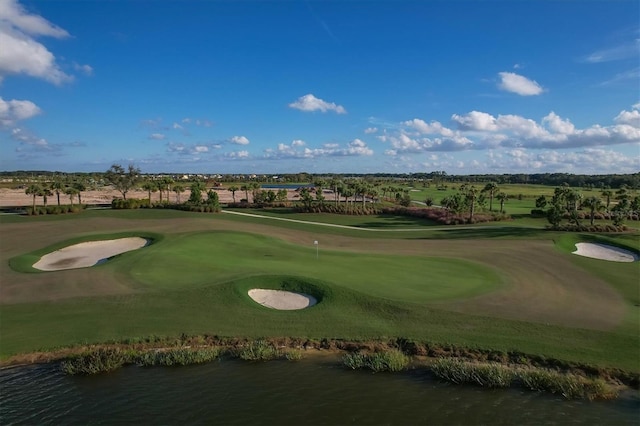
[
  {"x": 84, "y": 255},
  {"x": 282, "y": 300},
  {"x": 605, "y": 252}
]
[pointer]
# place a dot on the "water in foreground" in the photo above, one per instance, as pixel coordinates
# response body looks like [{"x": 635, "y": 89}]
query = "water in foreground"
[{"x": 317, "y": 392}]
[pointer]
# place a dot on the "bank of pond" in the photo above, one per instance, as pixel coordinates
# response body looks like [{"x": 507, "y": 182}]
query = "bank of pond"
[{"x": 453, "y": 365}]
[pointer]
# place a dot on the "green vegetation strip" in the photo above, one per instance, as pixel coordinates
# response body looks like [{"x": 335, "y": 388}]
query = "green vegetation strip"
[{"x": 494, "y": 375}]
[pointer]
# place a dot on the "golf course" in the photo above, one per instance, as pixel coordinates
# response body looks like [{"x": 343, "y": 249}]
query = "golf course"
[{"x": 491, "y": 288}]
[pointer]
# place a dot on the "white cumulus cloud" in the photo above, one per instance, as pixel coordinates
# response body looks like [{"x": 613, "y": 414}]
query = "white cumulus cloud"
[
  {"x": 516, "y": 83},
  {"x": 239, "y": 140},
  {"x": 20, "y": 52},
  {"x": 311, "y": 103},
  {"x": 15, "y": 110},
  {"x": 631, "y": 118}
]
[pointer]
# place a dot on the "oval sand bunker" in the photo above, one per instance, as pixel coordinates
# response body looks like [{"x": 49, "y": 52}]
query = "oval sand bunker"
[
  {"x": 282, "y": 300},
  {"x": 605, "y": 252},
  {"x": 84, "y": 255}
]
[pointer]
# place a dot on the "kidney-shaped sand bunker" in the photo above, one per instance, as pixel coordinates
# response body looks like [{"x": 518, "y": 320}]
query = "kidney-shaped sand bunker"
[
  {"x": 605, "y": 252},
  {"x": 282, "y": 300},
  {"x": 84, "y": 255}
]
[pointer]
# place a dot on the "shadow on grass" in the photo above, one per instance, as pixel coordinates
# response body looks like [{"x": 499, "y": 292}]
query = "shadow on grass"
[
  {"x": 489, "y": 232},
  {"x": 386, "y": 221}
]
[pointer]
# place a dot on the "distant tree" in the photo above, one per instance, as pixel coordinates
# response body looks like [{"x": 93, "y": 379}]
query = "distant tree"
[
  {"x": 255, "y": 188},
  {"x": 233, "y": 190},
  {"x": 79, "y": 186},
  {"x": 246, "y": 189},
  {"x": 149, "y": 186},
  {"x": 428, "y": 201},
  {"x": 71, "y": 192},
  {"x": 213, "y": 200},
  {"x": 620, "y": 211},
  {"x": 45, "y": 194},
  {"x": 554, "y": 214},
  {"x": 470, "y": 193},
  {"x": 594, "y": 204},
  {"x": 502, "y": 197},
  {"x": 57, "y": 186},
  {"x": 121, "y": 179},
  {"x": 541, "y": 202},
  {"x": 306, "y": 198},
  {"x": 281, "y": 196},
  {"x": 492, "y": 189},
  {"x": 196, "y": 192},
  {"x": 607, "y": 194},
  {"x": 178, "y": 189},
  {"x": 270, "y": 196},
  {"x": 33, "y": 190}
]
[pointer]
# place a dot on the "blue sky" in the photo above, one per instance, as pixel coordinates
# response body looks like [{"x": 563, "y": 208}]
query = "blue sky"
[{"x": 321, "y": 86}]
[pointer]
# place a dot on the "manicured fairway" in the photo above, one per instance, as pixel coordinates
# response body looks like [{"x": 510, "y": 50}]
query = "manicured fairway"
[
  {"x": 502, "y": 289},
  {"x": 206, "y": 259}
]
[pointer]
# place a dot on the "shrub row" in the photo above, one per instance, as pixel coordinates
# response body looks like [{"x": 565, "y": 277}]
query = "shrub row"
[
  {"x": 571, "y": 227},
  {"x": 389, "y": 360},
  {"x": 444, "y": 216},
  {"x": 63, "y": 209},
  {"x": 494, "y": 375},
  {"x": 135, "y": 203}
]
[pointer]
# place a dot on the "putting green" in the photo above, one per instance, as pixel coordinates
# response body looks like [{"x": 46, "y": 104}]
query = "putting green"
[{"x": 205, "y": 259}]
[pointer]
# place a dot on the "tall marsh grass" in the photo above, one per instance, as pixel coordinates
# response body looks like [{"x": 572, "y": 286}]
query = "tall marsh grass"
[
  {"x": 494, "y": 375},
  {"x": 109, "y": 359},
  {"x": 258, "y": 350},
  {"x": 390, "y": 360}
]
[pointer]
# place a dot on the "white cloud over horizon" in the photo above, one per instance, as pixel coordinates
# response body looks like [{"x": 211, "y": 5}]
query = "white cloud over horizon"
[
  {"x": 516, "y": 83},
  {"x": 479, "y": 130},
  {"x": 310, "y": 103},
  {"x": 356, "y": 148}
]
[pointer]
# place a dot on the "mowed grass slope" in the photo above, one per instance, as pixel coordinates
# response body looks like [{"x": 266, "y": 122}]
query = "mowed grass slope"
[
  {"x": 194, "y": 280},
  {"x": 204, "y": 259}
]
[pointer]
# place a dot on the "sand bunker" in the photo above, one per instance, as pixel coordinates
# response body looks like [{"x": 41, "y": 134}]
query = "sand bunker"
[
  {"x": 605, "y": 252},
  {"x": 283, "y": 300},
  {"x": 84, "y": 255}
]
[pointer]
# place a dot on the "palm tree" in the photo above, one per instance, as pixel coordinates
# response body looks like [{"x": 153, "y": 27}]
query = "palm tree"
[
  {"x": 71, "y": 192},
  {"x": 150, "y": 186},
  {"x": 245, "y": 188},
  {"x": 255, "y": 187},
  {"x": 33, "y": 190},
  {"x": 502, "y": 197},
  {"x": 492, "y": 189},
  {"x": 45, "y": 194},
  {"x": 58, "y": 187},
  {"x": 471, "y": 193},
  {"x": 179, "y": 188},
  {"x": 166, "y": 183},
  {"x": 334, "y": 183},
  {"x": 594, "y": 204},
  {"x": 79, "y": 186},
  {"x": 233, "y": 190},
  {"x": 607, "y": 194}
]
